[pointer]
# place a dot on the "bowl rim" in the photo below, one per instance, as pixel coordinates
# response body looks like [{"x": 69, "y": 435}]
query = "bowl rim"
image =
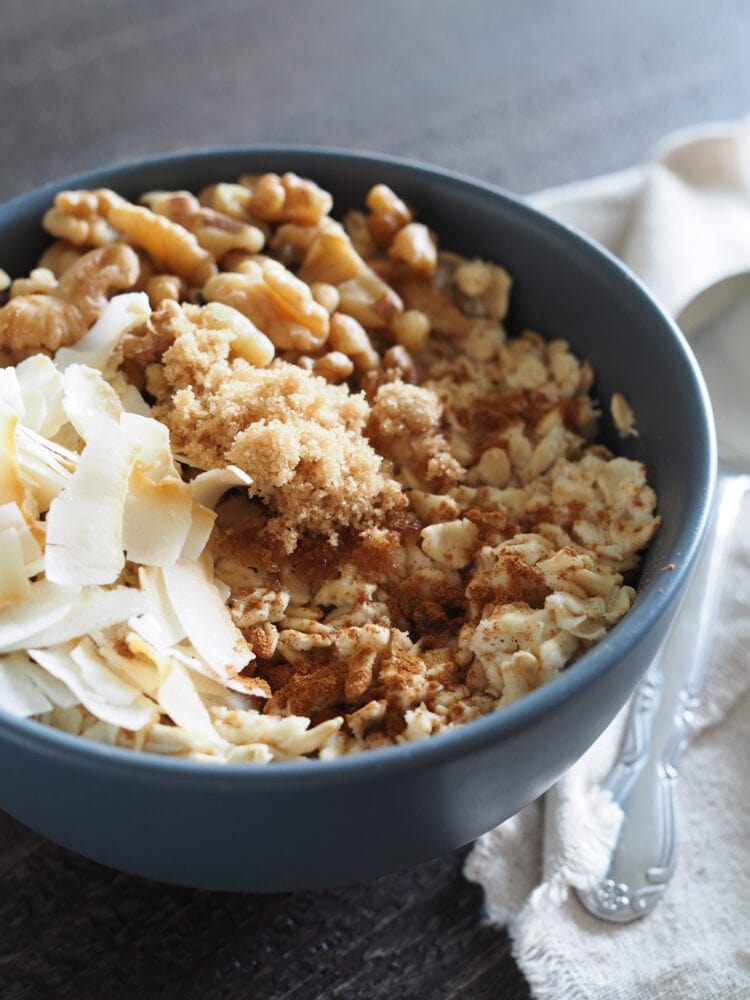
[{"x": 476, "y": 734}]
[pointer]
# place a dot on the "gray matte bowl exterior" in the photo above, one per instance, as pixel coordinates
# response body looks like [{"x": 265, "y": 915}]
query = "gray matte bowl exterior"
[{"x": 314, "y": 824}]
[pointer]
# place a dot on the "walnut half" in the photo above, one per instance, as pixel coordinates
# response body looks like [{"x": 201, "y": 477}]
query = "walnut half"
[{"x": 44, "y": 322}]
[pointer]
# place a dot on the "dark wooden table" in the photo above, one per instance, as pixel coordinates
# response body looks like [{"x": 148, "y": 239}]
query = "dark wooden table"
[{"x": 521, "y": 94}]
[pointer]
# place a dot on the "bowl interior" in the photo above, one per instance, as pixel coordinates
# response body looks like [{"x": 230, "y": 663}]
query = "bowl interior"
[{"x": 563, "y": 287}]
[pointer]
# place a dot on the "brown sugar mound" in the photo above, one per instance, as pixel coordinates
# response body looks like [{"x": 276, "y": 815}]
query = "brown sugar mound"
[
  {"x": 405, "y": 427},
  {"x": 299, "y": 438}
]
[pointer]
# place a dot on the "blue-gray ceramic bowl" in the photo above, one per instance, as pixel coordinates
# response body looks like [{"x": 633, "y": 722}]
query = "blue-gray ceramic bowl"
[{"x": 313, "y": 824}]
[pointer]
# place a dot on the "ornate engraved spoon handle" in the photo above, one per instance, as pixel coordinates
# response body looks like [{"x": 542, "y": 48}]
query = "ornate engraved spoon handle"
[{"x": 643, "y": 779}]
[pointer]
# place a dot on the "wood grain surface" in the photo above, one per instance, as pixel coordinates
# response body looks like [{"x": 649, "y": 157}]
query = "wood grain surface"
[
  {"x": 75, "y": 929},
  {"x": 521, "y": 94}
]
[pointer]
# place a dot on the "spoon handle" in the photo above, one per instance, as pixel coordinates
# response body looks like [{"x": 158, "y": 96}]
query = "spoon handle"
[{"x": 643, "y": 779}]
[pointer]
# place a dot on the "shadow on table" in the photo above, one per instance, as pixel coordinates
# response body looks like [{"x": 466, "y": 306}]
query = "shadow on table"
[{"x": 75, "y": 928}]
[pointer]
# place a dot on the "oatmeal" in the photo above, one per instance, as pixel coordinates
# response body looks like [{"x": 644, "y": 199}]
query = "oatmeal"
[{"x": 276, "y": 485}]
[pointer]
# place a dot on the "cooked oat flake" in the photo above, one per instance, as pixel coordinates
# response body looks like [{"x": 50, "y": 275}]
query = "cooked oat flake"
[{"x": 80, "y": 667}]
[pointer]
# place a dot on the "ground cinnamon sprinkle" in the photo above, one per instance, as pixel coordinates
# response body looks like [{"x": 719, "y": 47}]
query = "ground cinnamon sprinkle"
[{"x": 430, "y": 530}]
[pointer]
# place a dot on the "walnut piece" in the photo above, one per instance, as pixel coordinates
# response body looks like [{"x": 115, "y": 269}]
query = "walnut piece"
[
  {"x": 276, "y": 301},
  {"x": 79, "y": 218},
  {"x": 42, "y": 323},
  {"x": 288, "y": 198},
  {"x": 59, "y": 256},
  {"x": 332, "y": 258},
  {"x": 215, "y": 231},
  {"x": 167, "y": 242}
]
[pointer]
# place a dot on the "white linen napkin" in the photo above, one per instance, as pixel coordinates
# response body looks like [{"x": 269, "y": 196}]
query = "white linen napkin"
[{"x": 682, "y": 223}]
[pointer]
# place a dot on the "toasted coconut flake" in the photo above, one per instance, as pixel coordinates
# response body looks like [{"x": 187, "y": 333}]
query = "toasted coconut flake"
[
  {"x": 58, "y": 693},
  {"x": 11, "y": 487},
  {"x": 102, "y": 732},
  {"x": 132, "y": 668},
  {"x": 11, "y": 518},
  {"x": 41, "y": 385},
  {"x": 26, "y": 689},
  {"x": 254, "y": 687},
  {"x": 157, "y": 519},
  {"x": 69, "y": 720},
  {"x": 103, "y": 693},
  {"x": 89, "y": 401},
  {"x": 159, "y": 625},
  {"x": 84, "y": 524},
  {"x": 209, "y": 487},
  {"x": 121, "y": 314},
  {"x": 46, "y": 604},
  {"x": 200, "y": 531},
  {"x": 205, "y": 618},
  {"x": 46, "y": 468},
  {"x": 177, "y": 695},
  {"x": 32, "y": 553},
  {"x": 214, "y": 692},
  {"x": 181, "y": 702},
  {"x": 154, "y": 451},
  {"x": 10, "y": 391},
  {"x": 33, "y": 566},
  {"x": 131, "y": 399},
  {"x": 19, "y": 695},
  {"x": 94, "y": 609},
  {"x": 14, "y": 580}
]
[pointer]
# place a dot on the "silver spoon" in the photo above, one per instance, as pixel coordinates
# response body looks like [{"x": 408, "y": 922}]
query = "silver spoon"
[{"x": 644, "y": 778}]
